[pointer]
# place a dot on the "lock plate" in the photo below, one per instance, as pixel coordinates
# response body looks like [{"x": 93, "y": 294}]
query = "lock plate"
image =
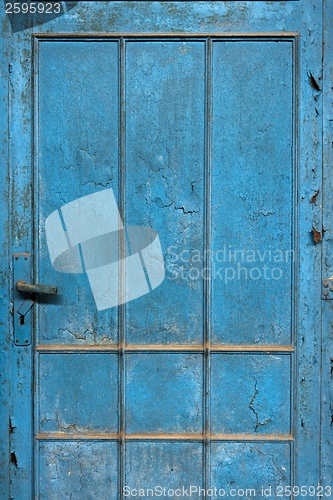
[{"x": 22, "y": 303}]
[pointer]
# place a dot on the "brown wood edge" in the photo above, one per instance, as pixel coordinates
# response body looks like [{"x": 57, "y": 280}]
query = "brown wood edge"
[
  {"x": 66, "y": 436},
  {"x": 168, "y": 348}
]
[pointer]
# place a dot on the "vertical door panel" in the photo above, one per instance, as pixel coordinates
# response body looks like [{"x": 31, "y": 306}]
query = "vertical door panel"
[
  {"x": 165, "y": 124},
  {"x": 77, "y": 154},
  {"x": 252, "y": 192}
]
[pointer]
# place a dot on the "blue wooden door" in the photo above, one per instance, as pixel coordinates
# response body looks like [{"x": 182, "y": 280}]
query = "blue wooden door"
[{"x": 163, "y": 170}]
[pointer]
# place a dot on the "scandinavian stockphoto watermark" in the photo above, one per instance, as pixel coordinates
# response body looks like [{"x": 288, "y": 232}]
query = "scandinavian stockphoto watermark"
[
  {"x": 228, "y": 263},
  {"x": 125, "y": 263},
  {"x": 122, "y": 263}
]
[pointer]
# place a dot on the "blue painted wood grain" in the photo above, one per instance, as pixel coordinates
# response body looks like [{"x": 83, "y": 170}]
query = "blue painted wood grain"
[
  {"x": 77, "y": 143},
  {"x": 252, "y": 192},
  {"x": 165, "y": 120},
  {"x": 70, "y": 399},
  {"x": 78, "y": 470}
]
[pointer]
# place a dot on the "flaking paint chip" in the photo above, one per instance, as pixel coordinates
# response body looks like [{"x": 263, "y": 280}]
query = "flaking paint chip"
[{"x": 316, "y": 235}]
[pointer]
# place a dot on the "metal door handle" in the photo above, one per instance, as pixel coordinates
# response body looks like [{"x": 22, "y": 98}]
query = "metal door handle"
[{"x": 22, "y": 286}]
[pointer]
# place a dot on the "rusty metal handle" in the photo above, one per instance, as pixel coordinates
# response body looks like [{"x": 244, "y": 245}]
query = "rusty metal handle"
[{"x": 22, "y": 286}]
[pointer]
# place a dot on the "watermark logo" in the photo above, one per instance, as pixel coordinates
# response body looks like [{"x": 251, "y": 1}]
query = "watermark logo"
[
  {"x": 87, "y": 235},
  {"x": 26, "y": 15},
  {"x": 228, "y": 264}
]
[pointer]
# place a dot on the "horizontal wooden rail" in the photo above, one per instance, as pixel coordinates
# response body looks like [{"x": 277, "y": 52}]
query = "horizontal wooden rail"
[
  {"x": 167, "y": 348},
  {"x": 93, "y": 436}
]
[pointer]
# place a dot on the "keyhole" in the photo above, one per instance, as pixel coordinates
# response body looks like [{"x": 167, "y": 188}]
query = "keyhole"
[{"x": 21, "y": 319}]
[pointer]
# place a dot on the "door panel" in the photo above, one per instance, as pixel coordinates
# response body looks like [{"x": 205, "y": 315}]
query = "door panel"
[
  {"x": 86, "y": 163},
  {"x": 244, "y": 398},
  {"x": 253, "y": 152},
  {"x": 165, "y": 156},
  {"x": 75, "y": 469},
  {"x": 262, "y": 463},
  {"x": 168, "y": 464},
  {"x": 65, "y": 379},
  {"x": 205, "y": 121}
]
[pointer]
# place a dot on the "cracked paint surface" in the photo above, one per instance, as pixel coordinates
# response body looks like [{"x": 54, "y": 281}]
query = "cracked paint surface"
[
  {"x": 79, "y": 392},
  {"x": 252, "y": 179},
  {"x": 81, "y": 145},
  {"x": 164, "y": 394},
  {"x": 86, "y": 471},
  {"x": 164, "y": 176},
  {"x": 250, "y": 393},
  {"x": 174, "y": 464},
  {"x": 242, "y": 465}
]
